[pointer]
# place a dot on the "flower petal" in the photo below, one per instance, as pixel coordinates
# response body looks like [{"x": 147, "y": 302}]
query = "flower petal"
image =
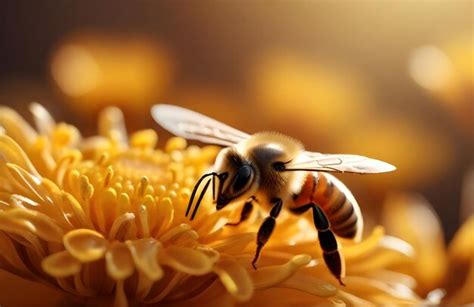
[
  {"x": 462, "y": 246},
  {"x": 43, "y": 120},
  {"x": 234, "y": 244},
  {"x": 10, "y": 253},
  {"x": 186, "y": 260},
  {"x": 43, "y": 226},
  {"x": 309, "y": 284},
  {"x": 269, "y": 276},
  {"x": 235, "y": 279},
  {"x": 16, "y": 127},
  {"x": 112, "y": 124},
  {"x": 119, "y": 261},
  {"x": 145, "y": 255},
  {"x": 61, "y": 264},
  {"x": 85, "y": 245},
  {"x": 403, "y": 215},
  {"x": 123, "y": 227}
]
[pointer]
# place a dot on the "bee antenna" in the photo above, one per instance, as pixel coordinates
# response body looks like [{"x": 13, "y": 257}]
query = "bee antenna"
[
  {"x": 195, "y": 189},
  {"x": 214, "y": 199},
  {"x": 198, "y": 203}
]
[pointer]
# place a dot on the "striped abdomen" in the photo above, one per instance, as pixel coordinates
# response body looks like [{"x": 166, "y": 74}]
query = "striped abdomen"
[{"x": 337, "y": 202}]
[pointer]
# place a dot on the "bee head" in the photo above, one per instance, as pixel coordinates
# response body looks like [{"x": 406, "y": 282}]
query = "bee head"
[{"x": 238, "y": 177}]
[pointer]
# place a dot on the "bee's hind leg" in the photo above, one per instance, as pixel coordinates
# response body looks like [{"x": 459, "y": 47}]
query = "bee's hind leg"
[
  {"x": 266, "y": 229},
  {"x": 246, "y": 211},
  {"x": 331, "y": 254}
]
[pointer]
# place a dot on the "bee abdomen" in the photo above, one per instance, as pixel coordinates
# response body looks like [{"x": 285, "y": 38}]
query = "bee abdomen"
[{"x": 338, "y": 204}]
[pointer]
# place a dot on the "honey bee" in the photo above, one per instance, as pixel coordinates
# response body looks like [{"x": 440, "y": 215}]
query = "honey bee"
[{"x": 274, "y": 170}]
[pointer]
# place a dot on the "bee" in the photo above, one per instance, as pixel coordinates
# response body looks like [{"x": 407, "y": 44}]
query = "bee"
[{"x": 274, "y": 170}]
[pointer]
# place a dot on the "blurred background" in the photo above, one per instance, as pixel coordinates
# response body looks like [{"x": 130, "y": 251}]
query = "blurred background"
[{"x": 389, "y": 79}]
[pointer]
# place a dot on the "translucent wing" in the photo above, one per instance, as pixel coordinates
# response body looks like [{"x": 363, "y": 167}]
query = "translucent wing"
[
  {"x": 195, "y": 126},
  {"x": 313, "y": 161}
]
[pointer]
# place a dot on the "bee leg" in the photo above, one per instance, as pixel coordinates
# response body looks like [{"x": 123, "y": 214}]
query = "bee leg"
[
  {"x": 266, "y": 229},
  {"x": 246, "y": 211},
  {"x": 327, "y": 241}
]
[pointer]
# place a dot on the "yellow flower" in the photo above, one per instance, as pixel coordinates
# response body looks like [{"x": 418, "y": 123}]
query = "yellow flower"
[
  {"x": 104, "y": 217},
  {"x": 443, "y": 274}
]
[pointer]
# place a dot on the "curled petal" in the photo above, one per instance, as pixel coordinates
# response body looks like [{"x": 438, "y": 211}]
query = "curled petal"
[
  {"x": 29, "y": 181},
  {"x": 175, "y": 232},
  {"x": 186, "y": 260},
  {"x": 235, "y": 279},
  {"x": 234, "y": 244},
  {"x": 112, "y": 124},
  {"x": 119, "y": 261},
  {"x": 85, "y": 245},
  {"x": 123, "y": 226},
  {"x": 43, "y": 226},
  {"x": 309, "y": 284},
  {"x": 164, "y": 216},
  {"x": 272, "y": 275},
  {"x": 43, "y": 120},
  {"x": 368, "y": 245},
  {"x": 373, "y": 289},
  {"x": 17, "y": 127},
  {"x": 11, "y": 152},
  {"x": 145, "y": 255},
  {"x": 61, "y": 264}
]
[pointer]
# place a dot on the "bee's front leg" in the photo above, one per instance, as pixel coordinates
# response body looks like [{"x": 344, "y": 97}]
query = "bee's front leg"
[
  {"x": 266, "y": 229},
  {"x": 246, "y": 211}
]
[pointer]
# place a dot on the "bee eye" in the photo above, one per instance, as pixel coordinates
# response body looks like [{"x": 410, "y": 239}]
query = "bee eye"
[{"x": 242, "y": 178}]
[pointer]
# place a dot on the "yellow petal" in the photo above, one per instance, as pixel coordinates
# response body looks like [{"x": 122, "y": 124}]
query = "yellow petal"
[
  {"x": 43, "y": 120},
  {"x": 16, "y": 127},
  {"x": 111, "y": 122},
  {"x": 119, "y": 261},
  {"x": 234, "y": 244},
  {"x": 403, "y": 217},
  {"x": 175, "y": 232},
  {"x": 61, "y": 264},
  {"x": 44, "y": 226},
  {"x": 186, "y": 260},
  {"x": 372, "y": 289},
  {"x": 235, "y": 279},
  {"x": 367, "y": 245},
  {"x": 352, "y": 300},
  {"x": 85, "y": 245},
  {"x": 145, "y": 255},
  {"x": 22, "y": 231},
  {"x": 309, "y": 284},
  {"x": 31, "y": 182},
  {"x": 462, "y": 245},
  {"x": 272, "y": 275},
  {"x": 163, "y": 216},
  {"x": 11, "y": 152},
  {"x": 123, "y": 227},
  {"x": 10, "y": 253}
]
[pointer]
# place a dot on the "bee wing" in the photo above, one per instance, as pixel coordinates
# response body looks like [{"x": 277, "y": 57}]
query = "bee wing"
[
  {"x": 313, "y": 161},
  {"x": 195, "y": 126}
]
